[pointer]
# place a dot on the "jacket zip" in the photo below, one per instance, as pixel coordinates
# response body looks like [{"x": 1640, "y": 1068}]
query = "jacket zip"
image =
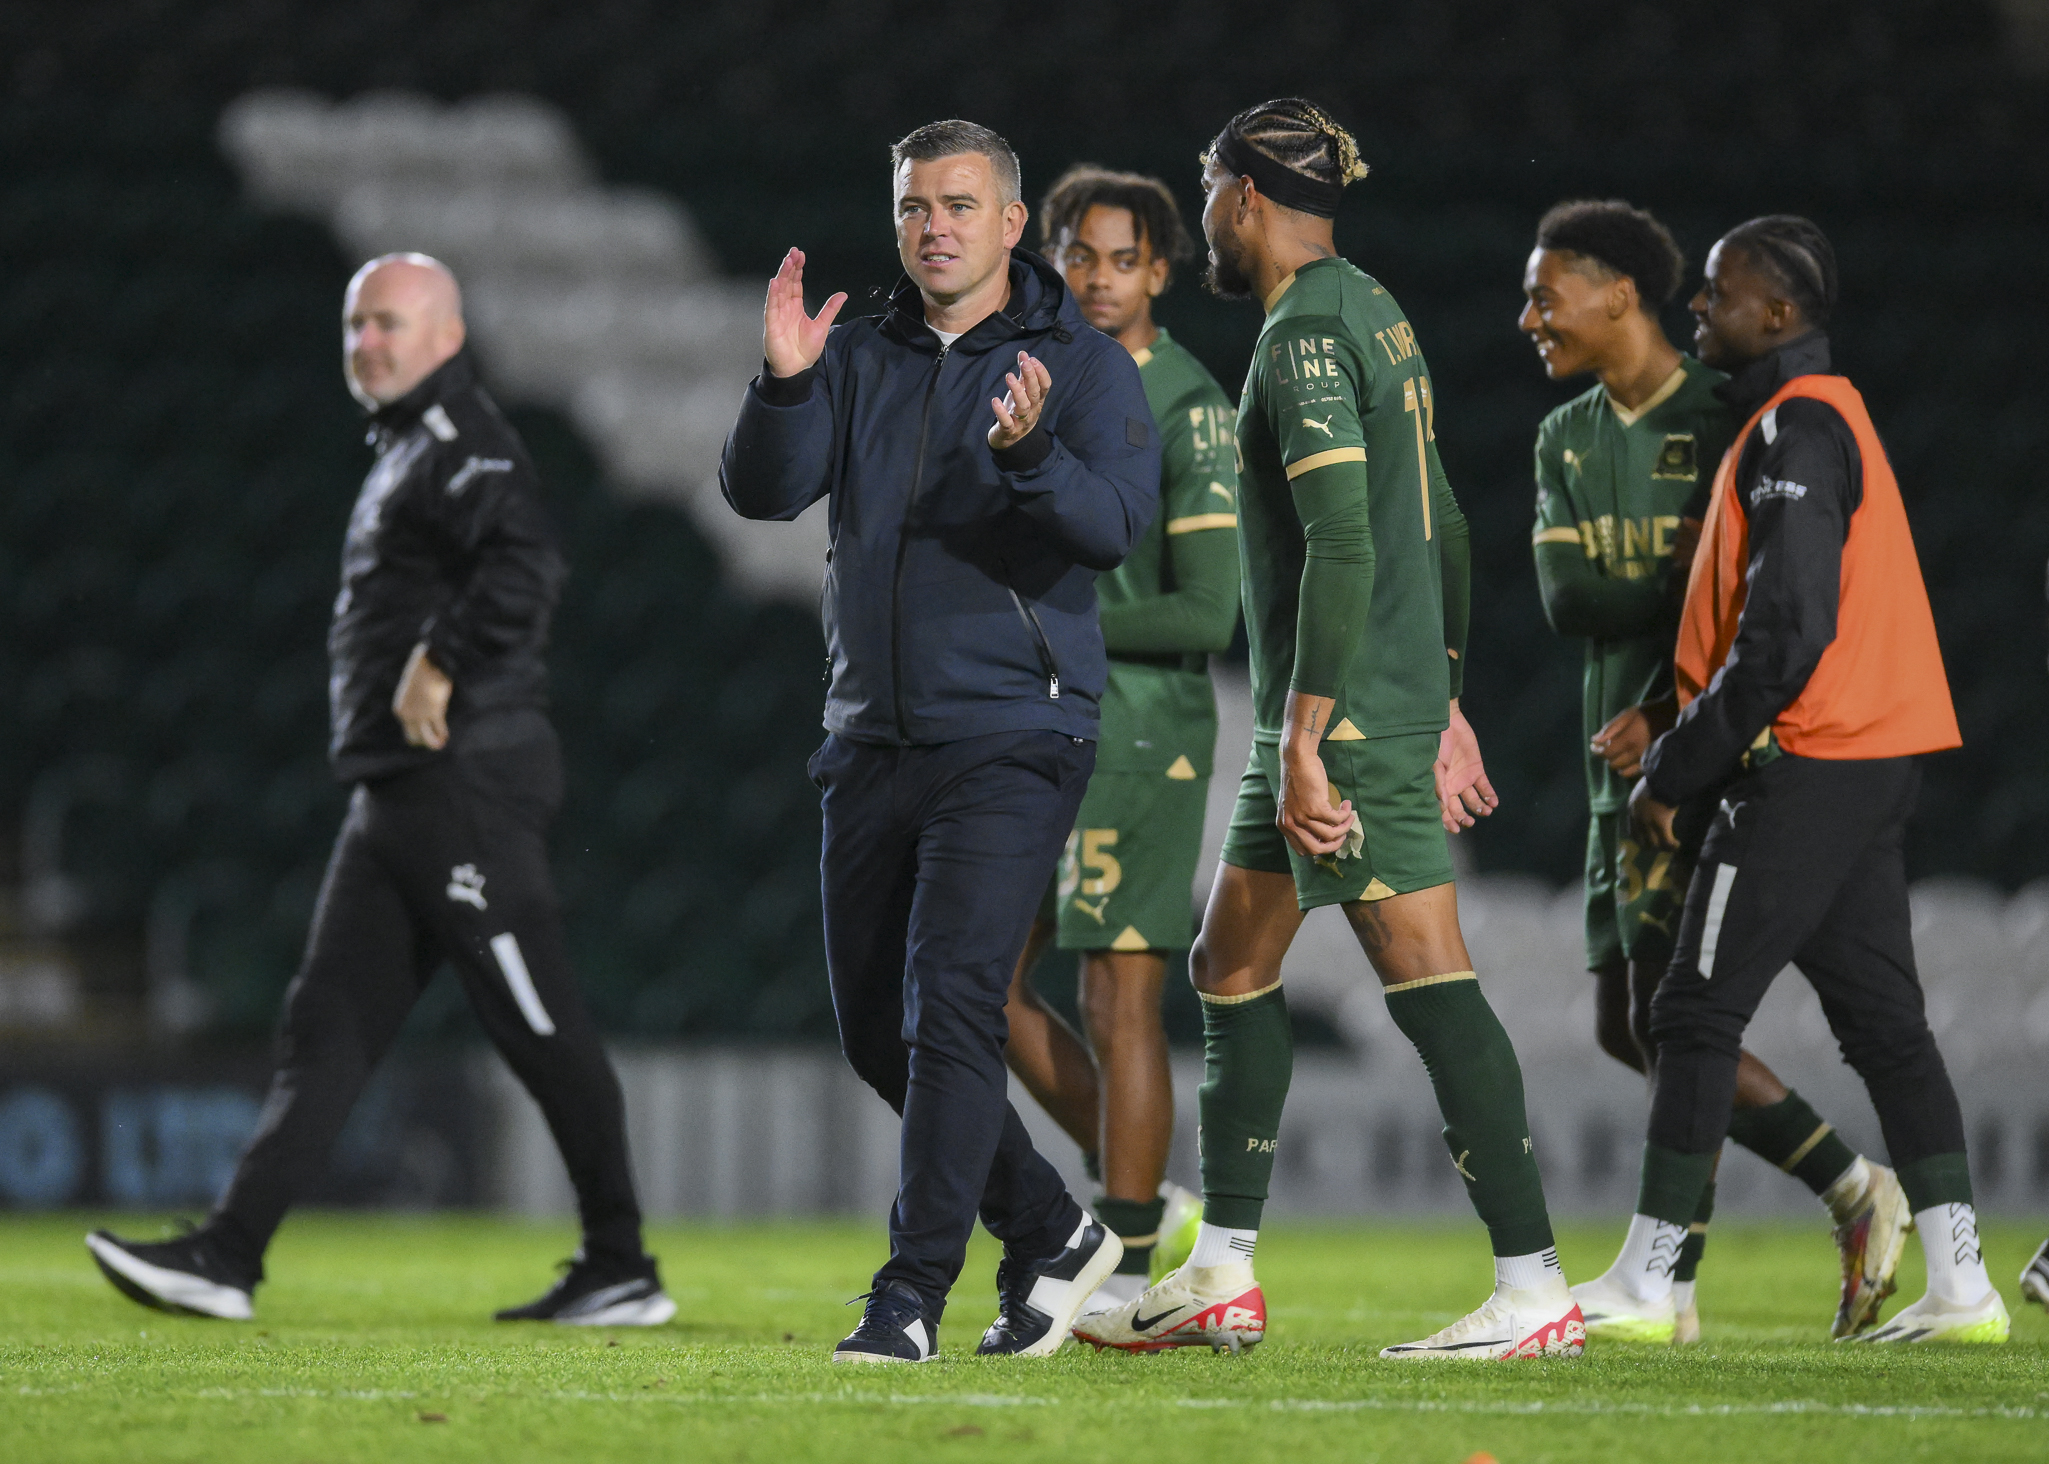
[
  {"x": 1030, "y": 617},
  {"x": 896, "y": 592}
]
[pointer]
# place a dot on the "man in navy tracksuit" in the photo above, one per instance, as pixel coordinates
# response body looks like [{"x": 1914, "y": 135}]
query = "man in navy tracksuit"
[{"x": 986, "y": 453}]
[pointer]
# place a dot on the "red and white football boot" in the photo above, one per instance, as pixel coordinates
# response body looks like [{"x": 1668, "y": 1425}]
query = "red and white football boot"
[
  {"x": 1219, "y": 1307},
  {"x": 1542, "y": 1321}
]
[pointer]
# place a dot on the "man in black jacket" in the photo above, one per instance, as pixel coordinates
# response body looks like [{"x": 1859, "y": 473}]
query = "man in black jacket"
[
  {"x": 438, "y": 690},
  {"x": 985, "y": 453}
]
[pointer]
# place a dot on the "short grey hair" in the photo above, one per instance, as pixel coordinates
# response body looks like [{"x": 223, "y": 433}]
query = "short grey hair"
[{"x": 954, "y": 136}]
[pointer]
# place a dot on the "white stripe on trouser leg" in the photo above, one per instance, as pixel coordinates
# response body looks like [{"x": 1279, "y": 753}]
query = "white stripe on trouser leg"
[
  {"x": 506, "y": 948},
  {"x": 1718, "y": 906}
]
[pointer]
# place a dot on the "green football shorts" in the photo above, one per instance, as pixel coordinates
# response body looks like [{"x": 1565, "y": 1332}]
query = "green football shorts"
[
  {"x": 1634, "y": 895},
  {"x": 1394, "y": 792},
  {"x": 1126, "y": 881}
]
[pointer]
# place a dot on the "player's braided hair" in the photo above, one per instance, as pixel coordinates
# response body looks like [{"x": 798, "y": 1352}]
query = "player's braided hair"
[
  {"x": 1620, "y": 239},
  {"x": 1303, "y": 139},
  {"x": 1153, "y": 209},
  {"x": 1797, "y": 256}
]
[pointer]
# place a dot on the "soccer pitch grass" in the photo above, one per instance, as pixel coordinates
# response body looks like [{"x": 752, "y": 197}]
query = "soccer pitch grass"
[{"x": 373, "y": 1342}]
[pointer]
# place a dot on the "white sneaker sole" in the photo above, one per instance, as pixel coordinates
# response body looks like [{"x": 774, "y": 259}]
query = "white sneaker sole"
[
  {"x": 174, "y": 1290},
  {"x": 880, "y": 1357},
  {"x": 644, "y": 1311}
]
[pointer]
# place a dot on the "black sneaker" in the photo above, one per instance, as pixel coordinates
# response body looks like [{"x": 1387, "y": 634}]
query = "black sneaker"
[
  {"x": 894, "y": 1328},
  {"x": 599, "y": 1294},
  {"x": 1040, "y": 1299},
  {"x": 188, "y": 1275}
]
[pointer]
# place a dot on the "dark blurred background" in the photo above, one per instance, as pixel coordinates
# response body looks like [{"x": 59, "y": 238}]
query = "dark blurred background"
[{"x": 178, "y": 456}]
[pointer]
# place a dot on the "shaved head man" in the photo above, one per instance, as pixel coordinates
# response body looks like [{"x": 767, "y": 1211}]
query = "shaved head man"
[
  {"x": 401, "y": 319},
  {"x": 438, "y": 691}
]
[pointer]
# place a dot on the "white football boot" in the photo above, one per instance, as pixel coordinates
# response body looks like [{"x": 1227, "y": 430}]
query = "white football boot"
[
  {"x": 1179, "y": 1223},
  {"x": 1870, "y": 1243},
  {"x": 1219, "y": 1307},
  {"x": 1542, "y": 1321},
  {"x": 1613, "y": 1313},
  {"x": 1937, "y": 1319},
  {"x": 2035, "y": 1280}
]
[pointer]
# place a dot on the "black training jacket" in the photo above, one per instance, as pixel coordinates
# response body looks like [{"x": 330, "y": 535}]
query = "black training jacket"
[
  {"x": 449, "y": 544},
  {"x": 1801, "y": 477},
  {"x": 960, "y": 594}
]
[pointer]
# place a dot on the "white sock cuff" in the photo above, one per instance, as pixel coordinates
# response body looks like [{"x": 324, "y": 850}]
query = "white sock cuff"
[
  {"x": 1527, "y": 1273},
  {"x": 1217, "y": 1244},
  {"x": 1649, "y": 1254},
  {"x": 1956, "y": 1259}
]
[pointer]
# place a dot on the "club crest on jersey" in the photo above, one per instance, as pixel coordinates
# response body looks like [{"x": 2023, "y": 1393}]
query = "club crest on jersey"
[
  {"x": 467, "y": 886},
  {"x": 1679, "y": 458}
]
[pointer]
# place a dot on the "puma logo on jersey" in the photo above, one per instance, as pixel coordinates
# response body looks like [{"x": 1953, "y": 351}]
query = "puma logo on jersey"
[
  {"x": 1095, "y": 911},
  {"x": 1222, "y": 492},
  {"x": 466, "y": 885},
  {"x": 1323, "y": 426},
  {"x": 1460, "y": 1165}
]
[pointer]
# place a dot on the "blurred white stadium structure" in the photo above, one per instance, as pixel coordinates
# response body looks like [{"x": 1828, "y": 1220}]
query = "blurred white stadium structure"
[
  {"x": 603, "y": 302},
  {"x": 599, "y": 301}
]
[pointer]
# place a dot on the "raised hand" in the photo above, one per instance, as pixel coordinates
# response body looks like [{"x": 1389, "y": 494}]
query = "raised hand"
[
  {"x": 792, "y": 341},
  {"x": 1463, "y": 791},
  {"x": 1018, "y": 412}
]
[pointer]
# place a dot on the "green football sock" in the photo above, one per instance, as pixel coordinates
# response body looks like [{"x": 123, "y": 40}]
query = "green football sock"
[
  {"x": 1790, "y": 1134},
  {"x": 1695, "y": 1245},
  {"x": 1137, "y": 1224},
  {"x": 1479, "y": 1085},
  {"x": 1940, "y": 1179},
  {"x": 1672, "y": 1184},
  {"x": 1248, "y": 1060}
]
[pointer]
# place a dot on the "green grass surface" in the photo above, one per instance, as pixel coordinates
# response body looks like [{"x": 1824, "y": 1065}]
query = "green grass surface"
[{"x": 372, "y": 1343}]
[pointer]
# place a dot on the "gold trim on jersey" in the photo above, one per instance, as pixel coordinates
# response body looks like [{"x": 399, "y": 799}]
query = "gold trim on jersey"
[
  {"x": 1191, "y": 523},
  {"x": 1324, "y": 459},
  {"x": 1143, "y": 356},
  {"x": 1551, "y": 536},
  {"x": 1345, "y": 731},
  {"x": 1630, "y": 416},
  {"x": 1279, "y": 290}
]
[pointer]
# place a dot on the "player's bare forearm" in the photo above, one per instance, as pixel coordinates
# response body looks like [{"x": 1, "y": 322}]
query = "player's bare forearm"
[{"x": 1310, "y": 819}]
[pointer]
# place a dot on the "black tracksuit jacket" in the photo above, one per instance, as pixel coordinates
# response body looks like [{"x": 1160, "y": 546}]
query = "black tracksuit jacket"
[{"x": 449, "y": 544}]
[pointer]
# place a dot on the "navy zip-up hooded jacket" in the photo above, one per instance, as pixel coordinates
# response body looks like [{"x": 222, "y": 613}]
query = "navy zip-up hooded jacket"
[{"x": 960, "y": 590}]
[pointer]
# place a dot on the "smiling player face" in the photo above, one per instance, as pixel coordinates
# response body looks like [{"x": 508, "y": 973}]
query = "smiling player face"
[
  {"x": 954, "y": 230},
  {"x": 1570, "y": 316}
]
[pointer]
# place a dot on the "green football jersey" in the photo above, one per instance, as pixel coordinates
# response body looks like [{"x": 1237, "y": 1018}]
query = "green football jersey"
[
  {"x": 1612, "y": 486},
  {"x": 1352, "y": 549},
  {"x": 1162, "y": 607}
]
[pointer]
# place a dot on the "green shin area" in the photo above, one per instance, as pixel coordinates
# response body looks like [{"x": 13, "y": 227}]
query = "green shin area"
[{"x": 373, "y": 1342}]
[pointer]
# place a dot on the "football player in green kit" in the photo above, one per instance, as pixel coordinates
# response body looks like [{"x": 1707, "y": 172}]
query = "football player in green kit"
[
  {"x": 1122, "y": 896},
  {"x": 1623, "y": 472},
  {"x": 1355, "y": 565}
]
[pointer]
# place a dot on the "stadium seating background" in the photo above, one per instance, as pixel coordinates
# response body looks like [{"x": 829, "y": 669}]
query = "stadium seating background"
[{"x": 178, "y": 457}]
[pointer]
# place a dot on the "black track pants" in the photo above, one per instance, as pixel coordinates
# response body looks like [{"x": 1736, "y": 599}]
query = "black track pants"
[
  {"x": 1803, "y": 864},
  {"x": 444, "y": 863},
  {"x": 935, "y": 860}
]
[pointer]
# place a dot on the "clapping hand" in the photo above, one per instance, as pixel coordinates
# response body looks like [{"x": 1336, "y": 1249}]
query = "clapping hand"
[
  {"x": 792, "y": 341},
  {"x": 1018, "y": 412}
]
